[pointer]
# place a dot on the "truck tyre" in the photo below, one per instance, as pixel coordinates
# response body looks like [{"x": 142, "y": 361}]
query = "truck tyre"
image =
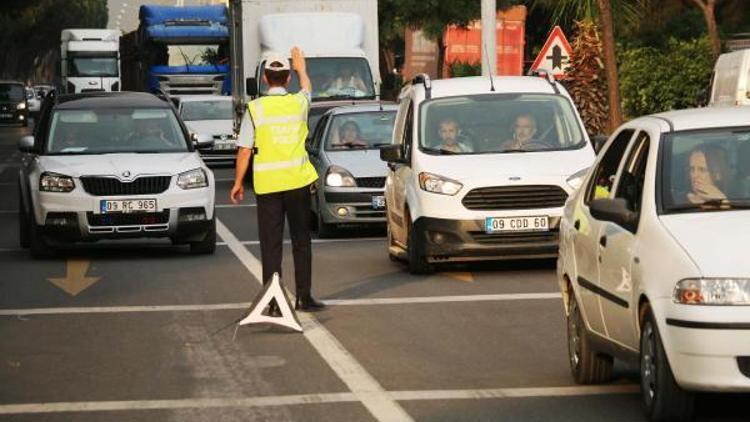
[
  {"x": 586, "y": 365},
  {"x": 207, "y": 246},
  {"x": 662, "y": 399},
  {"x": 417, "y": 261},
  {"x": 23, "y": 223}
]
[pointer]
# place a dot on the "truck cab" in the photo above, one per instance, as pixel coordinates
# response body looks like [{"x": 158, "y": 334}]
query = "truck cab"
[{"x": 90, "y": 60}]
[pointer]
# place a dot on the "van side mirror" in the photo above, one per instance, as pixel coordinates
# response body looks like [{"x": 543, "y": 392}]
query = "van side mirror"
[
  {"x": 598, "y": 141},
  {"x": 614, "y": 210},
  {"x": 392, "y": 154},
  {"x": 26, "y": 144},
  {"x": 202, "y": 141},
  {"x": 251, "y": 87}
]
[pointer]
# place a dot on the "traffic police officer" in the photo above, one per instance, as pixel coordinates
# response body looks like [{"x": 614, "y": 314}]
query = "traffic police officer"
[{"x": 275, "y": 129}]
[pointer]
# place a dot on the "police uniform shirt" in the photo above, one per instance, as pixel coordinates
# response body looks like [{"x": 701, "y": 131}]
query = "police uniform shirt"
[{"x": 247, "y": 128}]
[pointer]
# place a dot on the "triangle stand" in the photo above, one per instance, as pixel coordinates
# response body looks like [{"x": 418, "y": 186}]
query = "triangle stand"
[{"x": 271, "y": 291}]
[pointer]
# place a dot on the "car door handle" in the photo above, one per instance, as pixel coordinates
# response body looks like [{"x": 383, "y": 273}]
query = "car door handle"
[
  {"x": 603, "y": 241},
  {"x": 577, "y": 224}
]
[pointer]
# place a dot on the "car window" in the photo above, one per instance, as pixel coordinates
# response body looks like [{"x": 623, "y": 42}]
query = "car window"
[
  {"x": 115, "y": 130},
  {"x": 206, "y": 110},
  {"x": 362, "y": 130},
  {"x": 603, "y": 178},
  {"x": 706, "y": 170},
  {"x": 633, "y": 175},
  {"x": 499, "y": 123},
  {"x": 408, "y": 135},
  {"x": 320, "y": 127}
]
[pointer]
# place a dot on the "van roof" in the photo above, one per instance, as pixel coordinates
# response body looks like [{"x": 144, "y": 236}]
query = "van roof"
[{"x": 481, "y": 85}]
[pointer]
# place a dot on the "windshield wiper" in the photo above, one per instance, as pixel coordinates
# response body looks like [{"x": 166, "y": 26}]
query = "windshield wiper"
[
  {"x": 441, "y": 151},
  {"x": 380, "y": 144},
  {"x": 511, "y": 150},
  {"x": 712, "y": 204}
]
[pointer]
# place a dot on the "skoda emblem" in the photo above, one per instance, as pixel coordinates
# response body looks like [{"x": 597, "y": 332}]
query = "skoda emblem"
[
  {"x": 514, "y": 178},
  {"x": 126, "y": 174},
  {"x": 223, "y": 137}
]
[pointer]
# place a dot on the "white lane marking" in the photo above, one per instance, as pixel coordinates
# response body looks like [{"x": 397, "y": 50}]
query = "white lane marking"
[
  {"x": 235, "y": 206},
  {"x": 288, "y": 241},
  {"x": 370, "y": 393},
  {"x": 232, "y": 306},
  {"x": 301, "y": 399}
]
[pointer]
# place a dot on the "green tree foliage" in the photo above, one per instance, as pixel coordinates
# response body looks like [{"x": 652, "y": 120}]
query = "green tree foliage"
[
  {"x": 653, "y": 79},
  {"x": 460, "y": 69},
  {"x": 31, "y": 33}
]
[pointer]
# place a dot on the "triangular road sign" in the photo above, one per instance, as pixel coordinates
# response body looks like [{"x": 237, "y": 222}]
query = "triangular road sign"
[
  {"x": 272, "y": 291},
  {"x": 555, "y": 55}
]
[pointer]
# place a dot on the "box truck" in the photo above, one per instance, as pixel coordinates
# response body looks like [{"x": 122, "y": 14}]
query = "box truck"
[
  {"x": 90, "y": 60},
  {"x": 731, "y": 80}
]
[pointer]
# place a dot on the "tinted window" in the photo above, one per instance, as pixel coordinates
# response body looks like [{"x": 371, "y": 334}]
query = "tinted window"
[
  {"x": 365, "y": 130},
  {"x": 482, "y": 124},
  {"x": 604, "y": 175},
  {"x": 206, "y": 110},
  {"x": 11, "y": 92},
  {"x": 115, "y": 130}
]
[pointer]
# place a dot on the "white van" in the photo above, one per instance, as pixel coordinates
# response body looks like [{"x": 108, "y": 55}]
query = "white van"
[
  {"x": 731, "y": 80},
  {"x": 481, "y": 169}
]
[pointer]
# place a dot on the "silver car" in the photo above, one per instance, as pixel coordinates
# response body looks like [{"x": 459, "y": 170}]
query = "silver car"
[{"x": 345, "y": 151}]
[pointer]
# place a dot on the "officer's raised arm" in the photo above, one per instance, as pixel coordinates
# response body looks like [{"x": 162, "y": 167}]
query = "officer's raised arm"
[{"x": 298, "y": 64}]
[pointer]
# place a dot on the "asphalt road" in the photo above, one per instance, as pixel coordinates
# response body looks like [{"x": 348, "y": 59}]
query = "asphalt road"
[{"x": 140, "y": 337}]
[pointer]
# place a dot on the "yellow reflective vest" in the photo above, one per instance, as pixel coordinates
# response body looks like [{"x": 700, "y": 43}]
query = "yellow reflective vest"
[{"x": 281, "y": 162}]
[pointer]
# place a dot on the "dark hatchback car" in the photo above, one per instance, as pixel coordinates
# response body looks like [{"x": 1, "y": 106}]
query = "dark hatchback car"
[{"x": 13, "y": 106}]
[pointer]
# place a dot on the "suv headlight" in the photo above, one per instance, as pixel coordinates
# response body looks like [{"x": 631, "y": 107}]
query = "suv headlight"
[
  {"x": 54, "y": 182},
  {"x": 21, "y": 106},
  {"x": 192, "y": 179},
  {"x": 712, "y": 291},
  {"x": 576, "y": 180},
  {"x": 439, "y": 184},
  {"x": 339, "y": 177}
]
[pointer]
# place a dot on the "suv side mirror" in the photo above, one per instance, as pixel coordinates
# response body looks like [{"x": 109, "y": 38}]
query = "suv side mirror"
[
  {"x": 614, "y": 210},
  {"x": 251, "y": 87},
  {"x": 26, "y": 144},
  {"x": 201, "y": 141},
  {"x": 598, "y": 141},
  {"x": 392, "y": 153}
]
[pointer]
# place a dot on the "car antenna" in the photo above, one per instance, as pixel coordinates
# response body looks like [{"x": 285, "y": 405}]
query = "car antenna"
[
  {"x": 489, "y": 68},
  {"x": 380, "y": 102}
]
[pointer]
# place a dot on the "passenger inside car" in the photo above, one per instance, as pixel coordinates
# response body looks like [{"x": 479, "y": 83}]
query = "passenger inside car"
[
  {"x": 449, "y": 132},
  {"x": 708, "y": 170}
]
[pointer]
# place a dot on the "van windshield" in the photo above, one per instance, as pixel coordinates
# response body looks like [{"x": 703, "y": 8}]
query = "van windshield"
[
  {"x": 499, "y": 123},
  {"x": 334, "y": 78}
]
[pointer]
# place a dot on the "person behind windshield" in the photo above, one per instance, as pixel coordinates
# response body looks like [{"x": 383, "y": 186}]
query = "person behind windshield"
[
  {"x": 349, "y": 136},
  {"x": 346, "y": 80},
  {"x": 523, "y": 134},
  {"x": 70, "y": 139},
  {"x": 708, "y": 169},
  {"x": 449, "y": 131},
  {"x": 148, "y": 132}
]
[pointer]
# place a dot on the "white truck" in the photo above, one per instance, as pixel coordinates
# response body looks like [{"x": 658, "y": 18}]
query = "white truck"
[
  {"x": 90, "y": 60},
  {"x": 731, "y": 81},
  {"x": 339, "y": 39}
]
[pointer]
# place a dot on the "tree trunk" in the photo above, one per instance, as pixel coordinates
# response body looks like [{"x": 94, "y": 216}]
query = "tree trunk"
[
  {"x": 441, "y": 71},
  {"x": 709, "y": 14},
  {"x": 610, "y": 64}
]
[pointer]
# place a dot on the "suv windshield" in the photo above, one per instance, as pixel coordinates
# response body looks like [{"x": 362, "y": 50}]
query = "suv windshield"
[
  {"x": 499, "y": 123},
  {"x": 206, "y": 110},
  {"x": 365, "y": 130},
  {"x": 11, "y": 92},
  {"x": 706, "y": 170},
  {"x": 334, "y": 78},
  {"x": 115, "y": 130}
]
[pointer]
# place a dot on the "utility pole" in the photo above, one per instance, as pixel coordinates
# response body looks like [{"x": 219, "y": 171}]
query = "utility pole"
[{"x": 489, "y": 32}]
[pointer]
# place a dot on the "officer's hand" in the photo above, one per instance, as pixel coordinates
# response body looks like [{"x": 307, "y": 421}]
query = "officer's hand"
[
  {"x": 298, "y": 60},
  {"x": 237, "y": 194}
]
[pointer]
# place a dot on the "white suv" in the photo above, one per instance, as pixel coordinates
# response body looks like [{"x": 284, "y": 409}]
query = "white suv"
[
  {"x": 480, "y": 168},
  {"x": 113, "y": 165}
]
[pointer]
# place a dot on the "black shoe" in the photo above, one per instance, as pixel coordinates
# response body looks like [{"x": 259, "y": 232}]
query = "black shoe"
[{"x": 309, "y": 304}]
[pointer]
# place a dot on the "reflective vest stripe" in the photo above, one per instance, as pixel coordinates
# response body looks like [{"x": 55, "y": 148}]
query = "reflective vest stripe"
[{"x": 280, "y": 165}]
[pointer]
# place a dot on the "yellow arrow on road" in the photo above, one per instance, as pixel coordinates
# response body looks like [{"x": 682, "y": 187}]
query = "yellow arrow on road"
[
  {"x": 75, "y": 280},
  {"x": 460, "y": 276}
]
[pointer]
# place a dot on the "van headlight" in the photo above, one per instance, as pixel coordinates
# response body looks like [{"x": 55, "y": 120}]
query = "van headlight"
[
  {"x": 54, "y": 182},
  {"x": 21, "y": 106},
  {"x": 576, "y": 179},
  {"x": 712, "y": 291},
  {"x": 438, "y": 184},
  {"x": 339, "y": 177},
  {"x": 193, "y": 179}
]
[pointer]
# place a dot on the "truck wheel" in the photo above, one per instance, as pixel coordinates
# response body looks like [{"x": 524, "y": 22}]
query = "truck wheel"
[
  {"x": 207, "y": 246},
  {"x": 23, "y": 223},
  {"x": 661, "y": 398},
  {"x": 417, "y": 261},
  {"x": 325, "y": 231},
  {"x": 586, "y": 365},
  {"x": 40, "y": 247}
]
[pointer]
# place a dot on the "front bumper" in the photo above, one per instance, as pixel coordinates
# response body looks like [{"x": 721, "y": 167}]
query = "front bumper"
[
  {"x": 466, "y": 240},
  {"x": 708, "y": 351},
  {"x": 358, "y": 203}
]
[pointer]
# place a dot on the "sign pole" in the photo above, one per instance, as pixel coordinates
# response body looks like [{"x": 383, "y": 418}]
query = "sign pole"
[{"x": 489, "y": 33}]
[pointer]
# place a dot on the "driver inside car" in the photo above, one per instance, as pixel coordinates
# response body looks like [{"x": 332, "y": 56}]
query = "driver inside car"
[
  {"x": 523, "y": 135},
  {"x": 346, "y": 81},
  {"x": 149, "y": 132},
  {"x": 349, "y": 136}
]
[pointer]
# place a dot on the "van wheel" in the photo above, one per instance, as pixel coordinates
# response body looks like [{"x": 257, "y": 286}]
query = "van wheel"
[
  {"x": 661, "y": 398},
  {"x": 207, "y": 246},
  {"x": 586, "y": 365},
  {"x": 23, "y": 223},
  {"x": 417, "y": 262}
]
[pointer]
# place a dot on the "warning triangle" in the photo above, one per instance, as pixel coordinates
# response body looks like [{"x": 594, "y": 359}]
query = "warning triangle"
[{"x": 272, "y": 291}]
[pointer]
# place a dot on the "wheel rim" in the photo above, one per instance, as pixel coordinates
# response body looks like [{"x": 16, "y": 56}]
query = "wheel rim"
[
  {"x": 648, "y": 364},
  {"x": 574, "y": 337}
]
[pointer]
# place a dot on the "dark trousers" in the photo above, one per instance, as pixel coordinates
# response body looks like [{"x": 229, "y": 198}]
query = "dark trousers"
[{"x": 272, "y": 208}]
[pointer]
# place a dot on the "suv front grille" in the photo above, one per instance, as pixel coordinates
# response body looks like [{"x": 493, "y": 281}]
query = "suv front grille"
[
  {"x": 370, "y": 182},
  {"x": 127, "y": 219},
  {"x": 515, "y": 197},
  {"x": 109, "y": 186}
]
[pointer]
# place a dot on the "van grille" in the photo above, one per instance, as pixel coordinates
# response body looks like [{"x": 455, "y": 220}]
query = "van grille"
[
  {"x": 110, "y": 186},
  {"x": 515, "y": 197},
  {"x": 514, "y": 238}
]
